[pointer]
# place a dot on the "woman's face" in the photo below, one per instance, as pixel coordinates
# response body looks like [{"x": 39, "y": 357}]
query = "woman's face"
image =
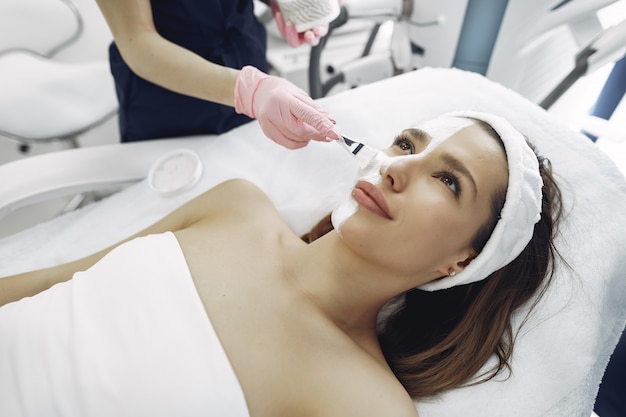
[{"x": 430, "y": 202}]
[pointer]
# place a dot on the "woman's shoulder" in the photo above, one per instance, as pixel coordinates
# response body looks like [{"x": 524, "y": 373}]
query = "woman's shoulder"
[
  {"x": 240, "y": 188},
  {"x": 359, "y": 386},
  {"x": 236, "y": 198},
  {"x": 374, "y": 398}
]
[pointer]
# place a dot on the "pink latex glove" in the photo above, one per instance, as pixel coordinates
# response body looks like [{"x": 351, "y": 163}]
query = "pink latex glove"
[
  {"x": 293, "y": 37},
  {"x": 287, "y": 115}
]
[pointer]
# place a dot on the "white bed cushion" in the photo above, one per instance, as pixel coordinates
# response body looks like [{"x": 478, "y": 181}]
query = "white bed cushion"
[{"x": 561, "y": 352}]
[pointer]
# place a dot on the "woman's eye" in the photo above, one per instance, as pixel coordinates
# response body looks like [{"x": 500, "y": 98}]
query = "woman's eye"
[
  {"x": 404, "y": 144},
  {"x": 452, "y": 182}
]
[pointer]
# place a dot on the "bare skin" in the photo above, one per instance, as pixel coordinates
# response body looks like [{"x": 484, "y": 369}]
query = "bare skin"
[
  {"x": 163, "y": 62},
  {"x": 297, "y": 320}
]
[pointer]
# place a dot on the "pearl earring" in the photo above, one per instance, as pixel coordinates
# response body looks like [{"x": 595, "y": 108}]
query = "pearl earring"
[{"x": 452, "y": 273}]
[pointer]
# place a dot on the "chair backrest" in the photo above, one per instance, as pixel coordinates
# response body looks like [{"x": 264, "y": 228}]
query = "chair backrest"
[{"x": 42, "y": 26}]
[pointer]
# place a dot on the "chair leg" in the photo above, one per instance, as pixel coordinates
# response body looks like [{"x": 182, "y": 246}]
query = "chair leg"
[
  {"x": 81, "y": 200},
  {"x": 88, "y": 197},
  {"x": 74, "y": 203},
  {"x": 71, "y": 142}
]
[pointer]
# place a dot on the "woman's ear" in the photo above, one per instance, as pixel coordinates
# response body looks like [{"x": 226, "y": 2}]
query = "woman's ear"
[
  {"x": 472, "y": 254},
  {"x": 467, "y": 257},
  {"x": 456, "y": 268}
]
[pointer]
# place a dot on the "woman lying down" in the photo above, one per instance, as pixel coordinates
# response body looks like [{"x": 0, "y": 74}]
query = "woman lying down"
[{"x": 220, "y": 310}]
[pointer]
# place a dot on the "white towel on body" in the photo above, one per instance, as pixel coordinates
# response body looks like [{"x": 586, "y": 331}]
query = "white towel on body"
[{"x": 128, "y": 337}]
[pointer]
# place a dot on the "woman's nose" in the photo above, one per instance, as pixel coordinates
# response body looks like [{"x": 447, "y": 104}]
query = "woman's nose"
[{"x": 396, "y": 172}]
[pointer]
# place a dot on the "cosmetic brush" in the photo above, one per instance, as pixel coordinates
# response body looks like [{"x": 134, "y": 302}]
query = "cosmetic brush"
[{"x": 362, "y": 152}]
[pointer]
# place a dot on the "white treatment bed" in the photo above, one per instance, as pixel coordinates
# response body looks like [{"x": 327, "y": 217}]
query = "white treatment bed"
[{"x": 562, "y": 350}]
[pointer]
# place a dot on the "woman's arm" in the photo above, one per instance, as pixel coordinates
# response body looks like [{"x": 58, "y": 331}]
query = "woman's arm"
[
  {"x": 162, "y": 62},
  {"x": 16, "y": 287},
  {"x": 233, "y": 199},
  {"x": 286, "y": 114},
  {"x": 212, "y": 203},
  {"x": 27, "y": 284}
]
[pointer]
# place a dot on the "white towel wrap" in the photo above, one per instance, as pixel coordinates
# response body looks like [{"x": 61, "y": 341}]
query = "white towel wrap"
[{"x": 520, "y": 213}]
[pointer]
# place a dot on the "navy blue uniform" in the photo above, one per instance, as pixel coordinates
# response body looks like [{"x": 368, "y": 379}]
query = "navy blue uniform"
[{"x": 225, "y": 32}]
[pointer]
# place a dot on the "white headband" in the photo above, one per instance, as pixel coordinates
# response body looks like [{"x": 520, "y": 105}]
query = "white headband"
[{"x": 520, "y": 213}]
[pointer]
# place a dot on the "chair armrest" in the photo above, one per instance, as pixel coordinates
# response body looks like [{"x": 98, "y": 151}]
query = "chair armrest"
[{"x": 44, "y": 177}]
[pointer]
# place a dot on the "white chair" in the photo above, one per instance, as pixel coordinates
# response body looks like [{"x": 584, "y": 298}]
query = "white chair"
[{"x": 45, "y": 99}]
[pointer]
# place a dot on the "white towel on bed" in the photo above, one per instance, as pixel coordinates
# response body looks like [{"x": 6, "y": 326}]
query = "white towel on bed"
[{"x": 128, "y": 337}]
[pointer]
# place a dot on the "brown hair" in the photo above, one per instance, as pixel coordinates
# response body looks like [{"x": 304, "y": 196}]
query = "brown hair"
[{"x": 439, "y": 340}]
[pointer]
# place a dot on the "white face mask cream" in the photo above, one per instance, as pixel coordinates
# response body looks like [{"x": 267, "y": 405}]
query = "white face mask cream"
[
  {"x": 442, "y": 128},
  {"x": 439, "y": 129},
  {"x": 347, "y": 207}
]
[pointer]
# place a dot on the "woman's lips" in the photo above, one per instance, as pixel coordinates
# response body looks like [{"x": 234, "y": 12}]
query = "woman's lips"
[{"x": 370, "y": 197}]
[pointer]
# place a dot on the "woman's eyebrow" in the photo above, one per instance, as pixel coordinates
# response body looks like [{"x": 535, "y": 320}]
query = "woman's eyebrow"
[
  {"x": 460, "y": 167},
  {"x": 419, "y": 135}
]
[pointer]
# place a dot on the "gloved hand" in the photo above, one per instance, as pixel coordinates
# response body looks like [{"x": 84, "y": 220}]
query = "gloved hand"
[
  {"x": 288, "y": 30},
  {"x": 287, "y": 115}
]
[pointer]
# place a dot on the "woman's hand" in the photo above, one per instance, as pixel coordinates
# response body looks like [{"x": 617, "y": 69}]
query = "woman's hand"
[
  {"x": 291, "y": 35},
  {"x": 287, "y": 115}
]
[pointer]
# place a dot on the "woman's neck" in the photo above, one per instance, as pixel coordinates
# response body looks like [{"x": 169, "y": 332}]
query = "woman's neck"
[{"x": 347, "y": 290}]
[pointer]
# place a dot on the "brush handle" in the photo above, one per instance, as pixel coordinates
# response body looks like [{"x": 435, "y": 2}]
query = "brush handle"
[{"x": 348, "y": 141}]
